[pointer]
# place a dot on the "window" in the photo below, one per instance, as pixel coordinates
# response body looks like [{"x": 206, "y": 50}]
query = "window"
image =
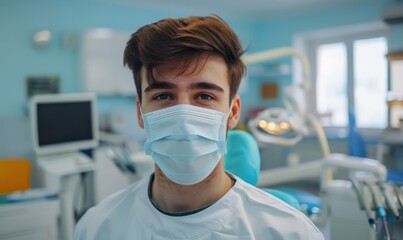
[
  {"x": 331, "y": 83},
  {"x": 350, "y": 75},
  {"x": 370, "y": 82}
]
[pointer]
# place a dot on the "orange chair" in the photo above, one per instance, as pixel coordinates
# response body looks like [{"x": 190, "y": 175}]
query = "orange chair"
[{"x": 15, "y": 175}]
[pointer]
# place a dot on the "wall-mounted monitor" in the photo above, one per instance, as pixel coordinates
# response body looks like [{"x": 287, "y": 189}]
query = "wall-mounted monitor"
[{"x": 63, "y": 123}]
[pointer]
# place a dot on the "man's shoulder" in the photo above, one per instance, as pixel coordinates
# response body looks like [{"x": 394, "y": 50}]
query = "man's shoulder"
[
  {"x": 256, "y": 199},
  {"x": 262, "y": 206},
  {"x": 255, "y": 195}
]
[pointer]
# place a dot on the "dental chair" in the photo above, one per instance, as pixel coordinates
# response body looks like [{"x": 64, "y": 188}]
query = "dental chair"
[
  {"x": 243, "y": 160},
  {"x": 340, "y": 204},
  {"x": 289, "y": 123}
]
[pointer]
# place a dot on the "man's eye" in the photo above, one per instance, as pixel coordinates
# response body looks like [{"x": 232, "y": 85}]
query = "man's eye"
[
  {"x": 162, "y": 97},
  {"x": 205, "y": 97}
]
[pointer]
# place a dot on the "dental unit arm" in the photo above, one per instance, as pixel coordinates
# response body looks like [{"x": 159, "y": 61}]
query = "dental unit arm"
[
  {"x": 274, "y": 125},
  {"x": 297, "y": 122},
  {"x": 313, "y": 168},
  {"x": 289, "y": 101}
]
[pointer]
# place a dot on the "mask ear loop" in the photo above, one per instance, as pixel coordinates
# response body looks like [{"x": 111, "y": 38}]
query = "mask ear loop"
[
  {"x": 228, "y": 116},
  {"x": 230, "y": 109},
  {"x": 141, "y": 112}
]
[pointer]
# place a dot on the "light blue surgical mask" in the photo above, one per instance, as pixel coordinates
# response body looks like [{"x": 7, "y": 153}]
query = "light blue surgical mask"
[{"x": 185, "y": 141}]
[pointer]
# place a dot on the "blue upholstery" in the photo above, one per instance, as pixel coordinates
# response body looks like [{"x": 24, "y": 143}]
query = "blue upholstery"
[
  {"x": 243, "y": 156},
  {"x": 356, "y": 143},
  {"x": 285, "y": 196},
  {"x": 309, "y": 203},
  {"x": 243, "y": 160},
  {"x": 395, "y": 176}
]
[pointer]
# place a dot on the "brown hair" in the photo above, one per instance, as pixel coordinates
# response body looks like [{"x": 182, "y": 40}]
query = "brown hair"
[{"x": 184, "y": 40}]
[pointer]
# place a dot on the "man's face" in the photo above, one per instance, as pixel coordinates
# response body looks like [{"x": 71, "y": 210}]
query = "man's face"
[{"x": 205, "y": 87}]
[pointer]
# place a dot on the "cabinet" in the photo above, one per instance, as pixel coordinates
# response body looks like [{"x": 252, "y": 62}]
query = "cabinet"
[
  {"x": 35, "y": 220},
  {"x": 395, "y": 95},
  {"x": 101, "y": 62}
]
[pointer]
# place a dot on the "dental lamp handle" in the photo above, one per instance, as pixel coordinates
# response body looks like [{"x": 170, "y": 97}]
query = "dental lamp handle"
[{"x": 320, "y": 132}]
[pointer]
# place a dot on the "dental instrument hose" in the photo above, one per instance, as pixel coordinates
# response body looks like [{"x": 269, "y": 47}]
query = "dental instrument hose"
[
  {"x": 399, "y": 194},
  {"x": 364, "y": 203},
  {"x": 380, "y": 209},
  {"x": 389, "y": 200}
]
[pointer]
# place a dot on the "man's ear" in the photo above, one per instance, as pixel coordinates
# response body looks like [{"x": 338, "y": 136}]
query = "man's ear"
[
  {"x": 139, "y": 114},
  {"x": 235, "y": 112}
]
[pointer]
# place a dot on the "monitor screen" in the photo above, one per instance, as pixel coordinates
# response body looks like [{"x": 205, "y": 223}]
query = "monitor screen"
[{"x": 63, "y": 122}]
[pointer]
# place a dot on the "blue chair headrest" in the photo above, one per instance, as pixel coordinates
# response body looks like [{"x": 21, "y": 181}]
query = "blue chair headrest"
[
  {"x": 243, "y": 156},
  {"x": 243, "y": 160}
]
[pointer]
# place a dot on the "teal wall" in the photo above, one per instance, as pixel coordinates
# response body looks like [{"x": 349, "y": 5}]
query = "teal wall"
[
  {"x": 396, "y": 38},
  {"x": 19, "y": 20},
  {"x": 280, "y": 31}
]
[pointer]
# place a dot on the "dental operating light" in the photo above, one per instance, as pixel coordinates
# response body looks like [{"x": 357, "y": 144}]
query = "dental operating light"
[
  {"x": 288, "y": 125},
  {"x": 277, "y": 126}
]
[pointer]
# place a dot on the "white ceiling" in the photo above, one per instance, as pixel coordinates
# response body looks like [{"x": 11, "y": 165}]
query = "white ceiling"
[{"x": 251, "y": 9}]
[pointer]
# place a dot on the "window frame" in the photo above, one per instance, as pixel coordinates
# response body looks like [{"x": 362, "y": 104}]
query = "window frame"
[{"x": 308, "y": 42}]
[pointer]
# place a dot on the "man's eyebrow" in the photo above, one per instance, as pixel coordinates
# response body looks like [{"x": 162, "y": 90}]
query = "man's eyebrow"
[
  {"x": 207, "y": 86},
  {"x": 159, "y": 85}
]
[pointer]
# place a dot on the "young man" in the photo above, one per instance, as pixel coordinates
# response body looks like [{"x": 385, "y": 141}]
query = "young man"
[{"x": 187, "y": 72}]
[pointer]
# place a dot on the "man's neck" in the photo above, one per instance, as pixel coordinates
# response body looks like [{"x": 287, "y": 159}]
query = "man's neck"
[{"x": 171, "y": 197}]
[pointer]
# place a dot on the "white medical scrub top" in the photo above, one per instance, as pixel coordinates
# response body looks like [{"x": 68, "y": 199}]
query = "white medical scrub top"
[{"x": 244, "y": 212}]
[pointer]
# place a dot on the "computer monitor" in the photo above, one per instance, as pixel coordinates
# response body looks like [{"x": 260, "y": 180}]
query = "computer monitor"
[{"x": 63, "y": 123}]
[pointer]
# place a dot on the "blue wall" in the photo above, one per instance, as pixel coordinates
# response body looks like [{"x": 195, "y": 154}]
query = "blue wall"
[
  {"x": 19, "y": 59},
  {"x": 396, "y": 38},
  {"x": 279, "y": 32},
  {"x": 19, "y": 20}
]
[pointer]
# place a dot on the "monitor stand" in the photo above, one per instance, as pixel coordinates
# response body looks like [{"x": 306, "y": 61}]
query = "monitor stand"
[{"x": 66, "y": 167}]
